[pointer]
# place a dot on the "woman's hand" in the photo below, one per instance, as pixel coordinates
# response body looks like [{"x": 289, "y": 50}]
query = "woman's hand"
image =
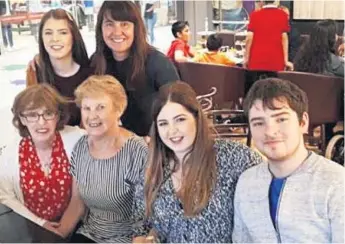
[
  {"x": 289, "y": 66},
  {"x": 53, "y": 227},
  {"x": 32, "y": 63},
  {"x": 143, "y": 239}
]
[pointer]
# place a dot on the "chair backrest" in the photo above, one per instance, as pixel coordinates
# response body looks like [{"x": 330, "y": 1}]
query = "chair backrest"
[
  {"x": 325, "y": 95},
  {"x": 206, "y": 100},
  {"x": 229, "y": 81}
]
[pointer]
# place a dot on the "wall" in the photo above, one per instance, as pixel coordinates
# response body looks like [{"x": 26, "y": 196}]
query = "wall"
[
  {"x": 304, "y": 26},
  {"x": 195, "y": 13}
]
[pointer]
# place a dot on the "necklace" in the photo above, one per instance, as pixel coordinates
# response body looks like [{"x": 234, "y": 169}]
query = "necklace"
[{"x": 45, "y": 166}]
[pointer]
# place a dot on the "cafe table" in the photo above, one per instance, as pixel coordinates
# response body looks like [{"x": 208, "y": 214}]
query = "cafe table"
[{"x": 15, "y": 228}]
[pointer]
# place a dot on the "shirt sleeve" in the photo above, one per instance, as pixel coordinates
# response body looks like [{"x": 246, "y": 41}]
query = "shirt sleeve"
[
  {"x": 240, "y": 231},
  {"x": 337, "y": 66},
  {"x": 180, "y": 46},
  {"x": 251, "y": 25},
  {"x": 227, "y": 61},
  {"x": 141, "y": 225},
  {"x": 336, "y": 211},
  {"x": 161, "y": 70},
  {"x": 9, "y": 183},
  {"x": 286, "y": 25}
]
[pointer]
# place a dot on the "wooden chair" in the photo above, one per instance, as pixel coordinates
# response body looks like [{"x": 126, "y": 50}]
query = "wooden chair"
[
  {"x": 228, "y": 123},
  {"x": 206, "y": 101},
  {"x": 325, "y": 96},
  {"x": 229, "y": 81}
]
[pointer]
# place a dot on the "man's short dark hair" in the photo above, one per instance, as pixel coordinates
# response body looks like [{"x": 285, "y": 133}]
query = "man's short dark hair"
[
  {"x": 178, "y": 26},
  {"x": 268, "y": 2},
  {"x": 214, "y": 42},
  {"x": 271, "y": 89}
]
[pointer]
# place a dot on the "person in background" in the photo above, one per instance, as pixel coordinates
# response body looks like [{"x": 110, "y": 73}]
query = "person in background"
[
  {"x": 62, "y": 61},
  {"x": 297, "y": 196},
  {"x": 317, "y": 55},
  {"x": 34, "y": 171},
  {"x": 34, "y": 6},
  {"x": 179, "y": 49},
  {"x": 294, "y": 35},
  {"x": 6, "y": 28},
  {"x": 267, "y": 43},
  {"x": 89, "y": 11},
  {"x": 150, "y": 16},
  {"x": 123, "y": 52},
  {"x": 105, "y": 167},
  {"x": 213, "y": 55},
  {"x": 188, "y": 187},
  {"x": 341, "y": 47}
]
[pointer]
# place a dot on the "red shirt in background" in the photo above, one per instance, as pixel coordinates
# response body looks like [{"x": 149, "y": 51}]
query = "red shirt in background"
[
  {"x": 178, "y": 45},
  {"x": 266, "y": 53}
]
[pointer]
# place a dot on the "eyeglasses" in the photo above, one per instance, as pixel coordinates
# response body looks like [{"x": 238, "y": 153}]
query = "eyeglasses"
[{"x": 34, "y": 117}]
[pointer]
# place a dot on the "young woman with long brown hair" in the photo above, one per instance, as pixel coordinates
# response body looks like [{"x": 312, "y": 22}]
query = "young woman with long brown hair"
[
  {"x": 187, "y": 190},
  {"x": 62, "y": 60}
]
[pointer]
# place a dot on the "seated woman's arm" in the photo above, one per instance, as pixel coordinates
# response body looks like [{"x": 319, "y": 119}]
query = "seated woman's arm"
[
  {"x": 179, "y": 56},
  {"x": 10, "y": 194},
  {"x": 73, "y": 214}
]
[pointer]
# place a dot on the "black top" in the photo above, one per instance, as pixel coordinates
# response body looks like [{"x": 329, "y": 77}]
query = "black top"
[
  {"x": 66, "y": 86},
  {"x": 159, "y": 71}
]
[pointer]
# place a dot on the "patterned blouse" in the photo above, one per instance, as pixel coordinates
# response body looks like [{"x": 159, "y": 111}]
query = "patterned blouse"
[{"x": 215, "y": 222}]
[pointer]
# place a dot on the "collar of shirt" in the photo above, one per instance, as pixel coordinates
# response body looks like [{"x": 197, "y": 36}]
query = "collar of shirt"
[{"x": 270, "y": 6}]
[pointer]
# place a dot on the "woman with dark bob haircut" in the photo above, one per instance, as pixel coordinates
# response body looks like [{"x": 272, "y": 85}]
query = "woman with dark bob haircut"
[
  {"x": 188, "y": 188},
  {"x": 317, "y": 55},
  {"x": 34, "y": 171},
  {"x": 63, "y": 61},
  {"x": 123, "y": 52}
]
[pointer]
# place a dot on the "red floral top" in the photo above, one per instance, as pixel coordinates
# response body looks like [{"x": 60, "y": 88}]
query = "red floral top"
[{"x": 46, "y": 194}]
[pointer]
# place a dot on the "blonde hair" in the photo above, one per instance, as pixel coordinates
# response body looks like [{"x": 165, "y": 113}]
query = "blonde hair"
[{"x": 97, "y": 86}]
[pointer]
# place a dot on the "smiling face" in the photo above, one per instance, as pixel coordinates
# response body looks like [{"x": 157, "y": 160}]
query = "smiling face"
[
  {"x": 277, "y": 133},
  {"x": 41, "y": 124},
  {"x": 176, "y": 128},
  {"x": 99, "y": 115},
  {"x": 118, "y": 36},
  {"x": 57, "y": 38}
]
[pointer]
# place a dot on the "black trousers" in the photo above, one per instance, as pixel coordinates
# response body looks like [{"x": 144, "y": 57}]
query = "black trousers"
[{"x": 79, "y": 238}]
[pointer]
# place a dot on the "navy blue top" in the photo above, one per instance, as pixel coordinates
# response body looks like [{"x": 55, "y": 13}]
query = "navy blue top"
[{"x": 274, "y": 193}]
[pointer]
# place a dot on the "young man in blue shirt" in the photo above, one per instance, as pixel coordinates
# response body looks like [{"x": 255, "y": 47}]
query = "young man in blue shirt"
[{"x": 297, "y": 195}]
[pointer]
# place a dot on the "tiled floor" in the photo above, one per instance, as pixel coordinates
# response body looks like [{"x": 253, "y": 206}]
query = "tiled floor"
[{"x": 13, "y": 66}]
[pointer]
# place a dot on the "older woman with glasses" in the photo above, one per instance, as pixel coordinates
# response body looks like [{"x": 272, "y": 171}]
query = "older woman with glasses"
[{"x": 34, "y": 171}]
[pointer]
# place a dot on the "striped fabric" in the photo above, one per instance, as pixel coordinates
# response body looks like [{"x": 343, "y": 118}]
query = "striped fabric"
[{"x": 107, "y": 188}]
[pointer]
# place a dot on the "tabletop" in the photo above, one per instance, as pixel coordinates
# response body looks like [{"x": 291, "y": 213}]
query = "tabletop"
[{"x": 15, "y": 228}]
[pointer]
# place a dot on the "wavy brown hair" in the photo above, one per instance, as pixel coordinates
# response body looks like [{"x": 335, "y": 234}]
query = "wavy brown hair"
[
  {"x": 79, "y": 53},
  {"x": 122, "y": 11},
  {"x": 200, "y": 174},
  {"x": 38, "y": 96}
]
